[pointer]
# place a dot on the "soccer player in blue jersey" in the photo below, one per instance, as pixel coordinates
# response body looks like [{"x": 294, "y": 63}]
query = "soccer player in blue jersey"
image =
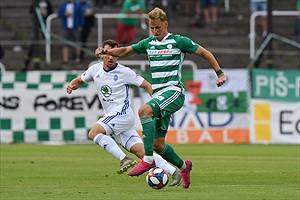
[{"x": 166, "y": 53}]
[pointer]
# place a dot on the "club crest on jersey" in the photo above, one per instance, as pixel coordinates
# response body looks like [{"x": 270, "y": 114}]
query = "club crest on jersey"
[
  {"x": 106, "y": 90},
  {"x": 169, "y": 46},
  {"x": 116, "y": 77}
]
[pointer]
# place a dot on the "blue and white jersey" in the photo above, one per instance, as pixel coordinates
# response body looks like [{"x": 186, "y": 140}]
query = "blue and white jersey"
[{"x": 112, "y": 85}]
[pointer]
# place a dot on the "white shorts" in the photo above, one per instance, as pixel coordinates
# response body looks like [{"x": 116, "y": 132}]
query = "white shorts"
[
  {"x": 128, "y": 139},
  {"x": 121, "y": 128},
  {"x": 116, "y": 123}
]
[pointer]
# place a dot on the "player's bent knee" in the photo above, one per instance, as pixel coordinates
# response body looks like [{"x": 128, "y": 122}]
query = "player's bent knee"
[
  {"x": 158, "y": 147},
  {"x": 145, "y": 111},
  {"x": 159, "y": 144},
  {"x": 138, "y": 150},
  {"x": 96, "y": 129},
  {"x": 91, "y": 135}
]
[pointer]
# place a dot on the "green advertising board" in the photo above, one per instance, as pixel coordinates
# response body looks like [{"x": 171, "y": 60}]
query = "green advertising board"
[
  {"x": 202, "y": 94},
  {"x": 278, "y": 85}
]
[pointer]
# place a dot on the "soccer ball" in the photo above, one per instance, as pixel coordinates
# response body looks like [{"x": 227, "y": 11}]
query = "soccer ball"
[{"x": 157, "y": 178}]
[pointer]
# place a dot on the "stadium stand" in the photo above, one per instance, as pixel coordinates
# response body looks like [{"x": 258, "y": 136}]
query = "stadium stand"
[{"x": 229, "y": 43}]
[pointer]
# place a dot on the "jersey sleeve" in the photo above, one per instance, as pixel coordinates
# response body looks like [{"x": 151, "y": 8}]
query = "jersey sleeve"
[
  {"x": 140, "y": 47},
  {"x": 132, "y": 78},
  {"x": 87, "y": 76},
  {"x": 187, "y": 45}
]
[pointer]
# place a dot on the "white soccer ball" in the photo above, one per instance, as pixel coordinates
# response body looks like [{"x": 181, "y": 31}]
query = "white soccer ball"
[{"x": 157, "y": 178}]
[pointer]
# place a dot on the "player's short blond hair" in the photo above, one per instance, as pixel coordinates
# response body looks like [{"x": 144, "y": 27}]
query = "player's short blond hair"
[{"x": 157, "y": 13}]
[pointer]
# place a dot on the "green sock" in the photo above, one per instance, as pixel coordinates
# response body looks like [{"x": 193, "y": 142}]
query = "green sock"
[
  {"x": 171, "y": 156},
  {"x": 148, "y": 135}
]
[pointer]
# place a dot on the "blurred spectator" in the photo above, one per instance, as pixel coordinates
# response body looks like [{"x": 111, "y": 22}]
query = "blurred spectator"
[
  {"x": 197, "y": 19},
  {"x": 33, "y": 53},
  {"x": 298, "y": 21},
  {"x": 187, "y": 7},
  {"x": 210, "y": 12},
  {"x": 171, "y": 7},
  {"x": 100, "y": 3},
  {"x": 126, "y": 26},
  {"x": 71, "y": 15},
  {"x": 105, "y": 3},
  {"x": 88, "y": 22},
  {"x": 260, "y": 5}
]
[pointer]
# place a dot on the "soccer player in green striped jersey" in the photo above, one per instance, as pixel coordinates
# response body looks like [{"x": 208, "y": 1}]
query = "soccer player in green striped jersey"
[{"x": 166, "y": 53}]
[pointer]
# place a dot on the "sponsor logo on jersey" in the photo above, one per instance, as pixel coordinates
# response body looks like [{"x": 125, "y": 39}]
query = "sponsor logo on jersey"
[
  {"x": 163, "y": 52},
  {"x": 106, "y": 90},
  {"x": 108, "y": 100},
  {"x": 159, "y": 52}
]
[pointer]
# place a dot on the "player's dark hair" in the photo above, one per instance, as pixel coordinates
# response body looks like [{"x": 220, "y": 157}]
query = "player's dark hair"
[{"x": 111, "y": 43}]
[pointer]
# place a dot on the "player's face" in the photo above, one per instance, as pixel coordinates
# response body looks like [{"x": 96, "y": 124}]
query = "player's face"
[
  {"x": 158, "y": 28},
  {"x": 109, "y": 61}
]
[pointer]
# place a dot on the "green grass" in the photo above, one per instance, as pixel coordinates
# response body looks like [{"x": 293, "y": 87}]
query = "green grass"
[{"x": 88, "y": 172}]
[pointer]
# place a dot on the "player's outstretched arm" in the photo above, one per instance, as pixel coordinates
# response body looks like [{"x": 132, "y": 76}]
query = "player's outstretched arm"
[
  {"x": 208, "y": 56},
  {"x": 116, "y": 52},
  {"x": 74, "y": 85}
]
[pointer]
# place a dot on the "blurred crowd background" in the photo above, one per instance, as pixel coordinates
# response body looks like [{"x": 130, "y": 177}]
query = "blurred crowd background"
[{"x": 221, "y": 26}]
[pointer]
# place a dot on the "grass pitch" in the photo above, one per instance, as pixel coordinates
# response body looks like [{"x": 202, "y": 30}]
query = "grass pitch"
[{"x": 88, "y": 172}]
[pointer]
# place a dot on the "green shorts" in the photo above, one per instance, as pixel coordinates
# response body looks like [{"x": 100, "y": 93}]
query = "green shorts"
[{"x": 163, "y": 106}]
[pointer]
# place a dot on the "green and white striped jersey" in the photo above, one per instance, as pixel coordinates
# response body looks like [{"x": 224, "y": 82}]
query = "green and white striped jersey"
[{"x": 166, "y": 58}]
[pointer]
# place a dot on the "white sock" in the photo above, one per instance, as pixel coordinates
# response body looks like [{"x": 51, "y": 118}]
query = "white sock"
[
  {"x": 162, "y": 163},
  {"x": 108, "y": 144},
  {"x": 183, "y": 166},
  {"x": 148, "y": 159}
]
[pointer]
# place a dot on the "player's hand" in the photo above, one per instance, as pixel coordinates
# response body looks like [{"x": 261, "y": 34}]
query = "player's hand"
[
  {"x": 221, "y": 80},
  {"x": 100, "y": 51},
  {"x": 70, "y": 88}
]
